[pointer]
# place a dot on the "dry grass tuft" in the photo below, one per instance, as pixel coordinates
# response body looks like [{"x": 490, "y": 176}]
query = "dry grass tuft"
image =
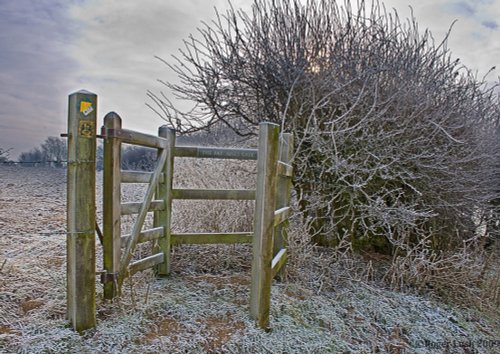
[{"x": 468, "y": 276}]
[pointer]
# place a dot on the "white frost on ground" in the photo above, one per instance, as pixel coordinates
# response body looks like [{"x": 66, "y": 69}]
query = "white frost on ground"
[{"x": 201, "y": 309}]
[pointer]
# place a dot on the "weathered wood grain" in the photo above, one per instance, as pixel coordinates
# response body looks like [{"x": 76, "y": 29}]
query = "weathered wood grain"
[
  {"x": 278, "y": 261},
  {"x": 81, "y": 205},
  {"x": 214, "y": 194},
  {"x": 145, "y": 263},
  {"x": 281, "y": 215},
  {"x": 138, "y": 177},
  {"x": 260, "y": 293},
  {"x": 164, "y": 218},
  {"x": 211, "y": 238},
  {"x": 285, "y": 169},
  {"x": 145, "y": 236},
  {"x": 136, "y": 138},
  {"x": 284, "y": 190},
  {"x": 111, "y": 205},
  {"x": 135, "y": 207},
  {"x": 215, "y": 153}
]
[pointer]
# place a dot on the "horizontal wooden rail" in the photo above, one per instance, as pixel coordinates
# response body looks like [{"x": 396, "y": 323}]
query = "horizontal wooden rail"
[
  {"x": 285, "y": 169},
  {"x": 134, "y": 207},
  {"x": 281, "y": 215},
  {"x": 211, "y": 238},
  {"x": 138, "y": 177},
  {"x": 215, "y": 153},
  {"x": 214, "y": 194},
  {"x": 146, "y": 263},
  {"x": 144, "y": 236},
  {"x": 136, "y": 138},
  {"x": 278, "y": 261}
]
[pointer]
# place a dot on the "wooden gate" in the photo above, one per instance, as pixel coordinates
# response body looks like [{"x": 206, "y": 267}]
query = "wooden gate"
[{"x": 272, "y": 196}]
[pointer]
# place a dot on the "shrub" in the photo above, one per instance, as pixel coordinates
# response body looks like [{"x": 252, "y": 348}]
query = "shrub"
[{"x": 396, "y": 142}]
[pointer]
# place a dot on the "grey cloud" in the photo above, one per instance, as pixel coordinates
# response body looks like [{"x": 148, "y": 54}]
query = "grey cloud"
[
  {"x": 486, "y": 2},
  {"x": 120, "y": 39},
  {"x": 49, "y": 48},
  {"x": 490, "y": 24},
  {"x": 463, "y": 8},
  {"x": 35, "y": 71}
]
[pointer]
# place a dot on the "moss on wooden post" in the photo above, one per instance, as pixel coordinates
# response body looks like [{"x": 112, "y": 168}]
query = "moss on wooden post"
[
  {"x": 265, "y": 205},
  {"x": 111, "y": 206},
  {"x": 164, "y": 217},
  {"x": 81, "y": 307}
]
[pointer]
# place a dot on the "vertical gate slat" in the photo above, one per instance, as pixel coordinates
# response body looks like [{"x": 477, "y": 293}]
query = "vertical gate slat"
[
  {"x": 284, "y": 189},
  {"x": 111, "y": 206},
  {"x": 164, "y": 217},
  {"x": 267, "y": 161}
]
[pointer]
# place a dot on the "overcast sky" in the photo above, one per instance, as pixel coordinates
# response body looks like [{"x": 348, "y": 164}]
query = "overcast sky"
[{"x": 51, "y": 48}]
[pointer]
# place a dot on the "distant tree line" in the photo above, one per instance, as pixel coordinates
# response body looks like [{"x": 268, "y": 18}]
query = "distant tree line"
[{"x": 53, "y": 151}]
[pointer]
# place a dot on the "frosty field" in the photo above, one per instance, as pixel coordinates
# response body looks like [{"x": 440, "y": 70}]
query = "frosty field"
[{"x": 203, "y": 306}]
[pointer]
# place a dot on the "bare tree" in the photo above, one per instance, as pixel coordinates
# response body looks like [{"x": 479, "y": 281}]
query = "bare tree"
[
  {"x": 138, "y": 158},
  {"x": 396, "y": 143},
  {"x": 52, "y": 151},
  {"x": 4, "y": 155},
  {"x": 32, "y": 157}
]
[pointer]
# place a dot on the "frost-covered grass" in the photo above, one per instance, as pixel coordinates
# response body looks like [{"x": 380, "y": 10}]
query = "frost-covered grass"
[
  {"x": 209, "y": 313},
  {"x": 203, "y": 306}
]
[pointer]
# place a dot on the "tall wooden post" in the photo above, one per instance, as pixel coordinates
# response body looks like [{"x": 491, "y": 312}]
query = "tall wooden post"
[
  {"x": 164, "y": 217},
  {"x": 111, "y": 206},
  {"x": 284, "y": 189},
  {"x": 260, "y": 292},
  {"x": 81, "y": 308}
]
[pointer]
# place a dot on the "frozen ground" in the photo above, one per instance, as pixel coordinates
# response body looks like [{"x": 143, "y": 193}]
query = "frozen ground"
[{"x": 203, "y": 306}]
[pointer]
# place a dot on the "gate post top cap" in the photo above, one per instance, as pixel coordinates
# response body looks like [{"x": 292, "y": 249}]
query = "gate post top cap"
[{"x": 84, "y": 92}]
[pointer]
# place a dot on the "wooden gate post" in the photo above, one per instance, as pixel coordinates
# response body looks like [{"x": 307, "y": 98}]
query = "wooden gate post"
[
  {"x": 164, "y": 217},
  {"x": 80, "y": 242},
  {"x": 111, "y": 206},
  {"x": 260, "y": 292}
]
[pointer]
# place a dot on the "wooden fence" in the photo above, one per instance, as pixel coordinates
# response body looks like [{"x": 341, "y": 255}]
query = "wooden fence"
[{"x": 272, "y": 197}]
